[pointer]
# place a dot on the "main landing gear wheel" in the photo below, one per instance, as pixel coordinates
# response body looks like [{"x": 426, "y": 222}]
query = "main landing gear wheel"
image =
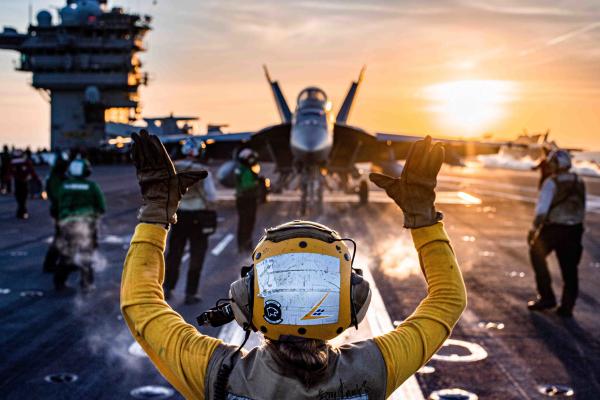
[{"x": 363, "y": 193}]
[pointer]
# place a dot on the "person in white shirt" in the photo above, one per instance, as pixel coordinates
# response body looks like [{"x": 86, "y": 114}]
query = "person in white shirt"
[
  {"x": 196, "y": 220},
  {"x": 558, "y": 227}
]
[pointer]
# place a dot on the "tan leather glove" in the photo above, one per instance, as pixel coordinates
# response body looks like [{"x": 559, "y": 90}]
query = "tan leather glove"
[
  {"x": 414, "y": 190},
  {"x": 162, "y": 187}
]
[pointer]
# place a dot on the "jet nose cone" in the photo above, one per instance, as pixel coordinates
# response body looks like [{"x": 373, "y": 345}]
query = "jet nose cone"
[
  {"x": 310, "y": 144},
  {"x": 314, "y": 139}
]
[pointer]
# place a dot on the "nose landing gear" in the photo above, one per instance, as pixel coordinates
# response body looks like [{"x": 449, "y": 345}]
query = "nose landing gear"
[
  {"x": 311, "y": 186},
  {"x": 363, "y": 192}
]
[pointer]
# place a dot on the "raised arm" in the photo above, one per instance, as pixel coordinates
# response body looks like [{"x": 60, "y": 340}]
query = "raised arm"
[
  {"x": 176, "y": 348},
  {"x": 413, "y": 343}
]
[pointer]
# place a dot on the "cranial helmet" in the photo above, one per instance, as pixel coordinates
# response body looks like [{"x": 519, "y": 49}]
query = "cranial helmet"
[
  {"x": 301, "y": 284},
  {"x": 560, "y": 160},
  {"x": 191, "y": 149},
  {"x": 248, "y": 156},
  {"x": 80, "y": 168}
]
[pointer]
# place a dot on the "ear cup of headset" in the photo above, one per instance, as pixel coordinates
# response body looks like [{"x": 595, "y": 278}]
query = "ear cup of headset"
[
  {"x": 361, "y": 296},
  {"x": 241, "y": 304}
]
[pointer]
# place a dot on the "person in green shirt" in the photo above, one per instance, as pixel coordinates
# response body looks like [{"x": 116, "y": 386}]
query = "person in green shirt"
[
  {"x": 247, "y": 192},
  {"x": 80, "y": 203}
]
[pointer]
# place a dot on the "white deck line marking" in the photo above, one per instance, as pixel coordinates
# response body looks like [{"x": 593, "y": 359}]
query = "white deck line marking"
[
  {"x": 218, "y": 249},
  {"x": 504, "y": 195},
  {"x": 459, "y": 198},
  {"x": 478, "y": 353},
  {"x": 592, "y": 202},
  {"x": 485, "y": 182},
  {"x": 469, "y": 198},
  {"x": 381, "y": 323}
]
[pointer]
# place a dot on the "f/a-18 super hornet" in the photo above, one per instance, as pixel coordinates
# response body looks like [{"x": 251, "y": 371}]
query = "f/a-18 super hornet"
[{"x": 314, "y": 150}]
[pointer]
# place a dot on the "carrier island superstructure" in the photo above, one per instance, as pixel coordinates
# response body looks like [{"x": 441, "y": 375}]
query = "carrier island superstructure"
[{"x": 87, "y": 64}]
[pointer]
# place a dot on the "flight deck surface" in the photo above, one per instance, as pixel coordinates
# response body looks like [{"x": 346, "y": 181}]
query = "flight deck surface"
[{"x": 501, "y": 350}]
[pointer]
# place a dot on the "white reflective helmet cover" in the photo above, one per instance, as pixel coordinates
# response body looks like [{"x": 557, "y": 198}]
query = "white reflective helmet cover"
[
  {"x": 189, "y": 148},
  {"x": 304, "y": 288},
  {"x": 246, "y": 154},
  {"x": 563, "y": 159},
  {"x": 76, "y": 168}
]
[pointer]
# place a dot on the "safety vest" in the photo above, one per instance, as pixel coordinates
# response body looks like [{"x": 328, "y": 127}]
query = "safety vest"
[
  {"x": 568, "y": 204},
  {"x": 355, "y": 371},
  {"x": 246, "y": 181},
  {"x": 195, "y": 198}
]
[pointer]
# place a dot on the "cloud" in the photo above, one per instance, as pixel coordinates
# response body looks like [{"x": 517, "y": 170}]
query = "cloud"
[
  {"x": 561, "y": 38},
  {"x": 572, "y": 34},
  {"x": 524, "y": 10},
  {"x": 349, "y": 7}
]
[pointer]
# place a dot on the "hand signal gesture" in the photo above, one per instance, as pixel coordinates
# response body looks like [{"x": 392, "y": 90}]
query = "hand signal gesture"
[
  {"x": 162, "y": 187},
  {"x": 414, "y": 191}
]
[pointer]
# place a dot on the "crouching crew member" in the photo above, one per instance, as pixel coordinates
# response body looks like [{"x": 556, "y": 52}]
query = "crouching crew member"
[
  {"x": 80, "y": 204},
  {"x": 300, "y": 292},
  {"x": 558, "y": 227},
  {"x": 196, "y": 220}
]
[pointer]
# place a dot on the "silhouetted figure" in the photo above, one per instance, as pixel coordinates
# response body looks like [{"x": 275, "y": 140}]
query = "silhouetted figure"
[
  {"x": 195, "y": 222},
  {"x": 247, "y": 193},
  {"x": 558, "y": 227},
  {"x": 23, "y": 172},
  {"x": 57, "y": 176},
  {"x": 5, "y": 171},
  {"x": 34, "y": 184}
]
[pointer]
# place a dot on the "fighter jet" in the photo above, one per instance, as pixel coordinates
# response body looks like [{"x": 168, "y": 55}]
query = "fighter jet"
[{"x": 313, "y": 150}]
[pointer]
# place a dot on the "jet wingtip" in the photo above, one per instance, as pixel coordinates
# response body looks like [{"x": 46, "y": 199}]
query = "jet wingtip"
[
  {"x": 362, "y": 73},
  {"x": 267, "y": 75}
]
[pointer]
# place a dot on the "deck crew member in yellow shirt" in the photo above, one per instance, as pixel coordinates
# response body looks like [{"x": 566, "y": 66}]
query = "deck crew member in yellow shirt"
[{"x": 300, "y": 292}]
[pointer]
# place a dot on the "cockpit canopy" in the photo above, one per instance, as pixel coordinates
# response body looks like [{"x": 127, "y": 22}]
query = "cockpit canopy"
[{"x": 312, "y": 94}]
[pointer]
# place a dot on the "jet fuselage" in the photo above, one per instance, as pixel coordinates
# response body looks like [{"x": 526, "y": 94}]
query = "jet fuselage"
[{"x": 311, "y": 137}]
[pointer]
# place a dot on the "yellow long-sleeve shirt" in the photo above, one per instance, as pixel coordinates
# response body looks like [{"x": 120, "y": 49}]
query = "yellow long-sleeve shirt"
[
  {"x": 182, "y": 354},
  {"x": 411, "y": 345}
]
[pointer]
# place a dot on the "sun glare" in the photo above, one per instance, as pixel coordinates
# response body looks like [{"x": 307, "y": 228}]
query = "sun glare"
[{"x": 469, "y": 107}]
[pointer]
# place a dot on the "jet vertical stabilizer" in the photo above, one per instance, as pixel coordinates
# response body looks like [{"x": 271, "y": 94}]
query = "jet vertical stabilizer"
[
  {"x": 282, "y": 106},
  {"x": 344, "y": 112}
]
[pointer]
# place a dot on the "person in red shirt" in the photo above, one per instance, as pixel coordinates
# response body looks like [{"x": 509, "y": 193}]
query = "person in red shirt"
[{"x": 23, "y": 172}]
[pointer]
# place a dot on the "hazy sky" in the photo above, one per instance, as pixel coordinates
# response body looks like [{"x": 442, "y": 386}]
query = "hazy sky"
[{"x": 448, "y": 68}]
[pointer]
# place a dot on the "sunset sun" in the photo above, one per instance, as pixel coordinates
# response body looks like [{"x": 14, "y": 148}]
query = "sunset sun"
[{"x": 469, "y": 107}]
